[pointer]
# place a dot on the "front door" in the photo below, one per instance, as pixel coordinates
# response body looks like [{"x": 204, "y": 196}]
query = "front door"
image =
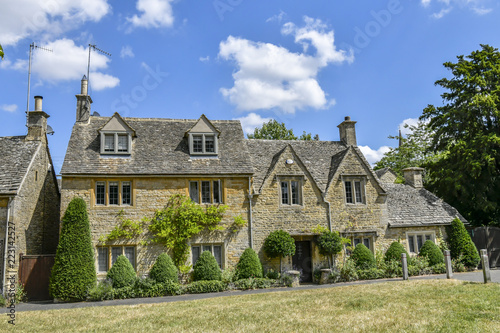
[{"x": 302, "y": 261}]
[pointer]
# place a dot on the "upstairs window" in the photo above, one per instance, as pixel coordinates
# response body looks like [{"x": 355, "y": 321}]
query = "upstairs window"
[
  {"x": 113, "y": 193},
  {"x": 354, "y": 191},
  {"x": 205, "y": 191},
  {"x": 203, "y": 144},
  {"x": 115, "y": 143},
  {"x": 291, "y": 192}
]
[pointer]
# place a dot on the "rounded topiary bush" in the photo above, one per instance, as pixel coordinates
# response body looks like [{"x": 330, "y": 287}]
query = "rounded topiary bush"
[
  {"x": 73, "y": 273},
  {"x": 363, "y": 257},
  {"x": 164, "y": 269},
  {"x": 461, "y": 244},
  {"x": 394, "y": 251},
  {"x": 432, "y": 252},
  {"x": 280, "y": 244},
  {"x": 249, "y": 265},
  {"x": 206, "y": 268},
  {"x": 122, "y": 274},
  {"x": 329, "y": 243}
]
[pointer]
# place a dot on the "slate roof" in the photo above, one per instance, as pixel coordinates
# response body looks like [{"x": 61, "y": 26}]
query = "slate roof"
[
  {"x": 410, "y": 207},
  {"x": 383, "y": 171},
  {"x": 317, "y": 156},
  {"x": 159, "y": 148},
  {"x": 16, "y": 155}
]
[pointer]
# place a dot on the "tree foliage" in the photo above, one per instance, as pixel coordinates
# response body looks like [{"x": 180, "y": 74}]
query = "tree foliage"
[
  {"x": 73, "y": 272},
  {"x": 413, "y": 150},
  {"x": 181, "y": 219},
  {"x": 280, "y": 244},
  {"x": 467, "y": 130},
  {"x": 273, "y": 130},
  {"x": 122, "y": 273},
  {"x": 329, "y": 244},
  {"x": 1, "y": 52},
  {"x": 461, "y": 245},
  {"x": 164, "y": 269}
]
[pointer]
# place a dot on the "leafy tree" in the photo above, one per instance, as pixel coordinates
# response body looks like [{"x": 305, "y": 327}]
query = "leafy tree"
[
  {"x": 363, "y": 257},
  {"x": 73, "y": 272},
  {"x": 249, "y": 265},
  {"x": 122, "y": 273},
  {"x": 206, "y": 268},
  {"x": 273, "y": 130},
  {"x": 467, "y": 131},
  {"x": 164, "y": 269},
  {"x": 413, "y": 150},
  {"x": 461, "y": 245},
  {"x": 432, "y": 252},
  {"x": 394, "y": 252},
  {"x": 1, "y": 52},
  {"x": 181, "y": 219},
  {"x": 329, "y": 244},
  {"x": 280, "y": 244}
]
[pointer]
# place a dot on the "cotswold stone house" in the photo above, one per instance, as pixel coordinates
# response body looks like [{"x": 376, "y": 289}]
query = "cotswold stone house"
[
  {"x": 29, "y": 196},
  {"x": 129, "y": 167}
]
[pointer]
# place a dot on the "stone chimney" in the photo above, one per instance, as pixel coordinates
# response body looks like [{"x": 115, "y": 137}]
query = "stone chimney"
[
  {"x": 347, "y": 130},
  {"x": 413, "y": 177},
  {"x": 37, "y": 122},
  {"x": 83, "y": 102}
]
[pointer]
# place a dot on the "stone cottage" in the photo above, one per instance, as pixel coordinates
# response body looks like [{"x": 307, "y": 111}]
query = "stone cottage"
[
  {"x": 29, "y": 195},
  {"x": 129, "y": 167}
]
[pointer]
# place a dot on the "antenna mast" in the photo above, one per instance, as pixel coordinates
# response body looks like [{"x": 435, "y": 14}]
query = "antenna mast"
[
  {"x": 93, "y": 46},
  {"x": 32, "y": 47}
]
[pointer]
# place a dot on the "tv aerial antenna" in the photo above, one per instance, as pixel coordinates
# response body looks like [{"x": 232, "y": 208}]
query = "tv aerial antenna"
[
  {"x": 95, "y": 48},
  {"x": 33, "y": 46}
]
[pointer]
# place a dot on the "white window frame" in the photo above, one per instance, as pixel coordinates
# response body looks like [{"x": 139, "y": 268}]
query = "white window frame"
[
  {"x": 414, "y": 234},
  {"x": 353, "y": 181},
  {"x": 107, "y": 192},
  {"x": 212, "y": 191},
  {"x": 203, "y": 144},
  {"x": 211, "y": 245},
  {"x": 115, "y": 136},
  {"x": 289, "y": 181},
  {"x": 109, "y": 259}
]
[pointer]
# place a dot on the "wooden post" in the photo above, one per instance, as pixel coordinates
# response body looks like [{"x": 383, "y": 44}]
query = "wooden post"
[
  {"x": 486, "y": 266},
  {"x": 447, "y": 262},
  {"x": 405, "y": 266}
]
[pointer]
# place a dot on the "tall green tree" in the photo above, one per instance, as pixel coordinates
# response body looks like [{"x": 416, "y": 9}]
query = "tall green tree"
[
  {"x": 413, "y": 150},
  {"x": 467, "y": 130},
  {"x": 273, "y": 130},
  {"x": 1, "y": 52},
  {"x": 73, "y": 272}
]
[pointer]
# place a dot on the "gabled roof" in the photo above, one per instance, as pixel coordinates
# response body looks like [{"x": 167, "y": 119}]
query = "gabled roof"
[
  {"x": 381, "y": 172},
  {"x": 316, "y": 156},
  {"x": 411, "y": 207},
  {"x": 16, "y": 156},
  {"x": 117, "y": 123},
  {"x": 160, "y": 148},
  {"x": 203, "y": 125}
]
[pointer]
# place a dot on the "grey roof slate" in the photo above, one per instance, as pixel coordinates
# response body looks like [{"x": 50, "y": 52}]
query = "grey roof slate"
[
  {"x": 160, "y": 147},
  {"x": 16, "y": 155},
  {"x": 408, "y": 207},
  {"x": 315, "y": 155}
]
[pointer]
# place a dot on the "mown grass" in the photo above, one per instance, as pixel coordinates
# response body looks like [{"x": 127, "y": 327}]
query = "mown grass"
[{"x": 414, "y": 306}]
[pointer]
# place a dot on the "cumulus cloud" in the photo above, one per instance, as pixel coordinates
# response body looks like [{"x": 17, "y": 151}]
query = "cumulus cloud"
[
  {"x": 153, "y": 14},
  {"x": 68, "y": 62},
  {"x": 251, "y": 122},
  {"x": 46, "y": 19},
  {"x": 8, "y": 107},
  {"x": 126, "y": 52},
  {"x": 410, "y": 122},
  {"x": 270, "y": 76},
  {"x": 373, "y": 156}
]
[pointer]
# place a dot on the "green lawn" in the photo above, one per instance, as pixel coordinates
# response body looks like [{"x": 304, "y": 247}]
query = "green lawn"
[{"x": 405, "y": 306}]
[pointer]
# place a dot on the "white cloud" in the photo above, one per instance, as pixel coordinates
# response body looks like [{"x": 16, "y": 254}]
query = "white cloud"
[
  {"x": 8, "y": 107},
  {"x": 410, "y": 122},
  {"x": 68, "y": 62},
  {"x": 373, "y": 156},
  {"x": 441, "y": 13},
  {"x": 278, "y": 17},
  {"x": 444, "y": 7},
  {"x": 252, "y": 121},
  {"x": 270, "y": 76},
  {"x": 126, "y": 51},
  {"x": 205, "y": 59},
  {"x": 482, "y": 10},
  {"x": 45, "y": 19},
  {"x": 154, "y": 14}
]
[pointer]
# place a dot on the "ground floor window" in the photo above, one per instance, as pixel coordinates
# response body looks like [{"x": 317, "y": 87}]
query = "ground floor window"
[
  {"x": 359, "y": 239},
  {"x": 107, "y": 255},
  {"x": 417, "y": 240},
  {"x": 215, "y": 249}
]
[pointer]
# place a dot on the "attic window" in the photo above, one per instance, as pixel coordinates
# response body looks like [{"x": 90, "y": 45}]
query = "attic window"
[
  {"x": 203, "y": 144},
  {"x": 115, "y": 143}
]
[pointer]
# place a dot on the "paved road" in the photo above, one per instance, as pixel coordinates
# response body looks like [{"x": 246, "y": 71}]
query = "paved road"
[{"x": 35, "y": 306}]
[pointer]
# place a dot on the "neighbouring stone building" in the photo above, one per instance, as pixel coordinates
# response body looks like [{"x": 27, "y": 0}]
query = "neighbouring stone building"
[
  {"x": 129, "y": 167},
  {"x": 29, "y": 195}
]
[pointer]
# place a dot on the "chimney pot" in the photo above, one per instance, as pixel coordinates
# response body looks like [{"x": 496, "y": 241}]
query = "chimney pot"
[
  {"x": 38, "y": 103},
  {"x": 347, "y": 131},
  {"x": 85, "y": 84},
  {"x": 413, "y": 177},
  {"x": 347, "y": 118}
]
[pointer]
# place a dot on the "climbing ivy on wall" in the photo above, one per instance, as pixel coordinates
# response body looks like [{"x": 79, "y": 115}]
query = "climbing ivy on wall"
[{"x": 127, "y": 229}]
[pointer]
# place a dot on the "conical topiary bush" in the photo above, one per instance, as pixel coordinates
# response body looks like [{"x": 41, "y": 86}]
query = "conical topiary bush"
[
  {"x": 249, "y": 265},
  {"x": 164, "y": 269},
  {"x": 122, "y": 273},
  {"x": 206, "y": 268},
  {"x": 432, "y": 252}
]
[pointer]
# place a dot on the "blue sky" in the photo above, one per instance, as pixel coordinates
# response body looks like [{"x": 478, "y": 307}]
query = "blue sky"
[{"x": 305, "y": 63}]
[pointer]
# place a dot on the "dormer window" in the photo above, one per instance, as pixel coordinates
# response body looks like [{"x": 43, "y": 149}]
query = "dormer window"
[
  {"x": 202, "y": 144},
  {"x": 116, "y": 137}
]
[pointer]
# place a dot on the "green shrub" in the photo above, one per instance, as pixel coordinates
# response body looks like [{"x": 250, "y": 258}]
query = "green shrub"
[
  {"x": 164, "y": 269},
  {"x": 228, "y": 275},
  {"x": 393, "y": 269},
  {"x": 348, "y": 271},
  {"x": 124, "y": 292},
  {"x": 418, "y": 266},
  {"x": 101, "y": 292},
  {"x": 439, "y": 268},
  {"x": 286, "y": 280},
  {"x": 199, "y": 287},
  {"x": 3, "y": 301},
  {"x": 272, "y": 274},
  {"x": 363, "y": 257},
  {"x": 122, "y": 274},
  {"x": 206, "y": 268},
  {"x": 249, "y": 265},
  {"x": 394, "y": 252},
  {"x": 280, "y": 244},
  {"x": 370, "y": 274},
  {"x": 461, "y": 244},
  {"x": 432, "y": 252},
  {"x": 457, "y": 265},
  {"x": 73, "y": 273},
  {"x": 329, "y": 244},
  {"x": 334, "y": 276},
  {"x": 257, "y": 283}
]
